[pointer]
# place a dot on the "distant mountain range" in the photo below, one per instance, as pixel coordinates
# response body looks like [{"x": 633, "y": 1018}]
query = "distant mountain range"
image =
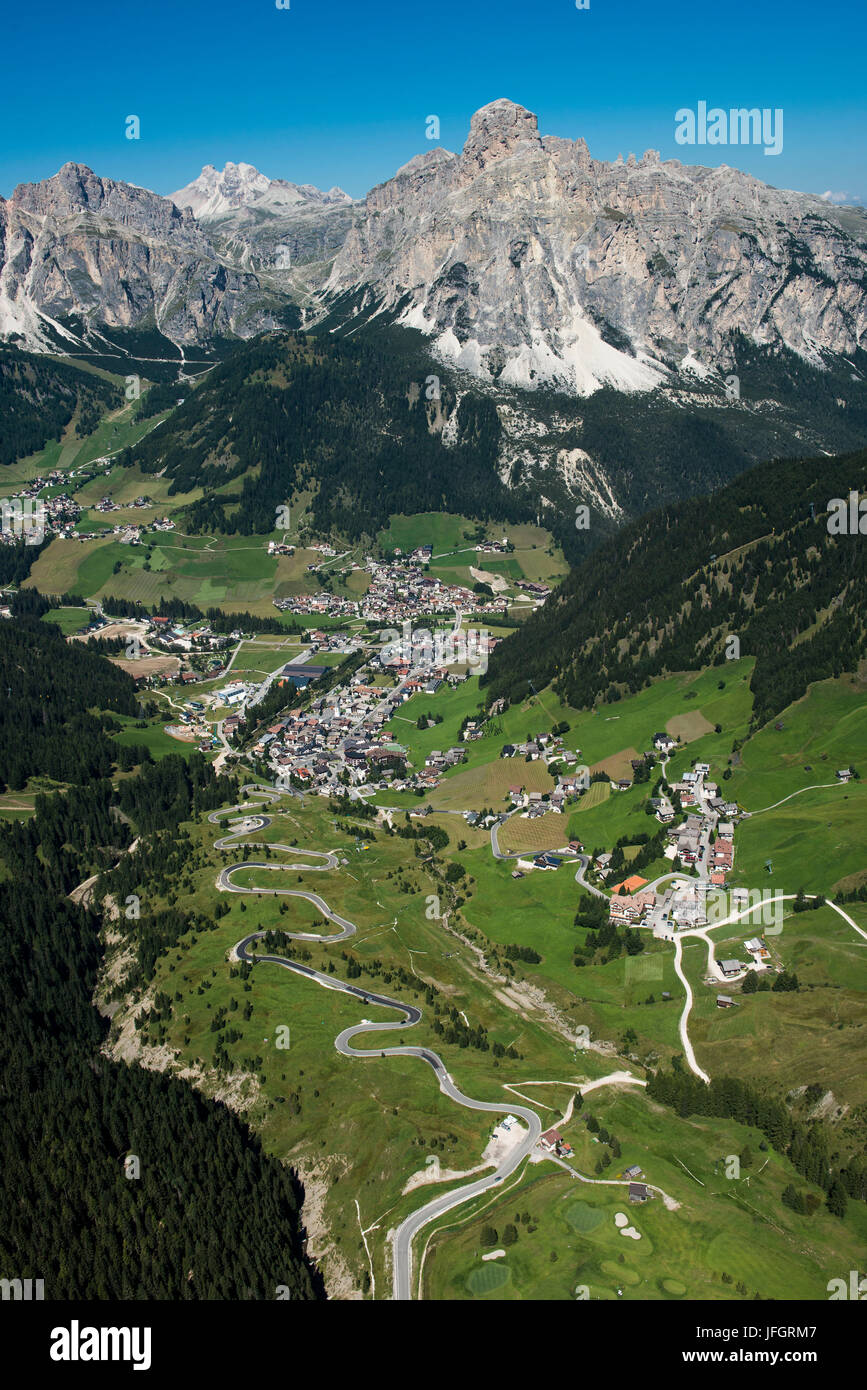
[
  {"x": 523, "y": 260},
  {"x": 643, "y": 330}
]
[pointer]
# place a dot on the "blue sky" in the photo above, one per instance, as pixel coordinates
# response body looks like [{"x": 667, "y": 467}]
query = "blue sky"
[{"x": 337, "y": 91}]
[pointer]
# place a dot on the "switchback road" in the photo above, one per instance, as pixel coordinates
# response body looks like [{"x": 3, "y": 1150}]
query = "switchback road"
[{"x": 410, "y": 1015}]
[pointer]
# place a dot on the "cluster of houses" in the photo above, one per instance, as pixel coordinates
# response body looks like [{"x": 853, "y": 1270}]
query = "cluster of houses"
[
  {"x": 322, "y": 605},
  {"x": 401, "y": 588},
  {"x": 545, "y": 747},
  {"x": 338, "y": 742},
  {"x": 494, "y": 547},
  {"x": 192, "y": 718},
  {"x": 171, "y": 636},
  {"x": 536, "y": 591},
  {"x": 127, "y": 533},
  {"x": 105, "y": 504},
  {"x": 401, "y": 591},
  {"x": 25, "y": 512}
]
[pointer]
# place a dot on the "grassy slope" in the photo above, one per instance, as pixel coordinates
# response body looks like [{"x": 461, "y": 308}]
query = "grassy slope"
[
  {"x": 370, "y": 1129},
  {"x": 724, "y": 1226}
]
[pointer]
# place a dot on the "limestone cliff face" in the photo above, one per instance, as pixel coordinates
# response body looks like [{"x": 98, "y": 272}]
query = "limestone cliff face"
[
  {"x": 116, "y": 255},
  {"x": 287, "y": 233},
  {"x": 523, "y": 259},
  {"x": 528, "y": 261}
]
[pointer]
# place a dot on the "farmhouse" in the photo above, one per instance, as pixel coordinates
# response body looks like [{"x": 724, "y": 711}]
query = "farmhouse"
[
  {"x": 731, "y": 967},
  {"x": 664, "y": 742},
  {"x": 547, "y": 861},
  {"x": 757, "y": 947}
]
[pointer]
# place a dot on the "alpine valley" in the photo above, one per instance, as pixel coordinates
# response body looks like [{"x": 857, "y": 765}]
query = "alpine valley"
[
  {"x": 432, "y": 803},
  {"x": 644, "y": 329}
]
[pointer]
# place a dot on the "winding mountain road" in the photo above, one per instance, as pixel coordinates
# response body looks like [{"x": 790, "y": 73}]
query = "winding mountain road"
[{"x": 410, "y": 1015}]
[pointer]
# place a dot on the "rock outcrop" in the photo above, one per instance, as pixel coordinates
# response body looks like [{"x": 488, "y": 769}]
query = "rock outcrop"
[{"x": 526, "y": 260}]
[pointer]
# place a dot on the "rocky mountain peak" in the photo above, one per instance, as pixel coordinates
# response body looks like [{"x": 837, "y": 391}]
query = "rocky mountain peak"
[
  {"x": 500, "y": 129},
  {"x": 525, "y": 261},
  {"x": 218, "y": 194}
]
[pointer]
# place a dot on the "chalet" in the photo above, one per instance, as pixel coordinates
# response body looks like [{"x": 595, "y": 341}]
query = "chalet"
[
  {"x": 622, "y": 909},
  {"x": 547, "y": 861},
  {"x": 843, "y": 774},
  {"x": 757, "y": 947},
  {"x": 731, "y": 967},
  {"x": 384, "y": 757},
  {"x": 664, "y": 742},
  {"x": 724, "y": 1001},
  {"x": 638, "y": 1193},
  {"x": 551, "y": 1140}
]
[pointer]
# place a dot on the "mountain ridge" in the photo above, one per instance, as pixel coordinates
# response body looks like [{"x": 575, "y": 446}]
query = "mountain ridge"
[{"x": 522, "y": 259}]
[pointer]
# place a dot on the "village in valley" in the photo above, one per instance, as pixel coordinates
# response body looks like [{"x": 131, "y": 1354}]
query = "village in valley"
[{"x": 606, "y": 862}]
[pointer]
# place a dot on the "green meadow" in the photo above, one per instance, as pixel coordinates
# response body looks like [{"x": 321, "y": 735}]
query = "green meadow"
[
  {"x": 817, "y": 1036},
  {"x": 568, "y": 1246}
]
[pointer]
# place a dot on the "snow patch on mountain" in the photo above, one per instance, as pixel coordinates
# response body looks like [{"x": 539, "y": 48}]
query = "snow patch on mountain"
[{"x": 220, "y": 193}]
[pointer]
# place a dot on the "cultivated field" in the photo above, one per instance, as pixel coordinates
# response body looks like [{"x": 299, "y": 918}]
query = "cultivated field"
[{"x": 544, "y": 832}]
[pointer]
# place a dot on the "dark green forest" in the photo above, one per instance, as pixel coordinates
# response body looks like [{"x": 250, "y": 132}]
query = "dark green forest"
[
  {"x": 211, "y": 1216},
  {"x": 335, "y": 416},
  {"x": 56, "y": 704},
  {"x": 38, "y": 398},
  {"x": 754, "y": 560}
]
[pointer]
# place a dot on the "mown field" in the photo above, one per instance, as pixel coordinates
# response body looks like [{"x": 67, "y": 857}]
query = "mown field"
[
  {"x": 815, "y": 1036},
  {"x": 568, "y": 1246},
  {"x": 364, "y": 1140}
]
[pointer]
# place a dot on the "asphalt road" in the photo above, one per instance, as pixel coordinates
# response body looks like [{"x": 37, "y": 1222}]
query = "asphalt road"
[{"x": 410, "y": 1015}]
